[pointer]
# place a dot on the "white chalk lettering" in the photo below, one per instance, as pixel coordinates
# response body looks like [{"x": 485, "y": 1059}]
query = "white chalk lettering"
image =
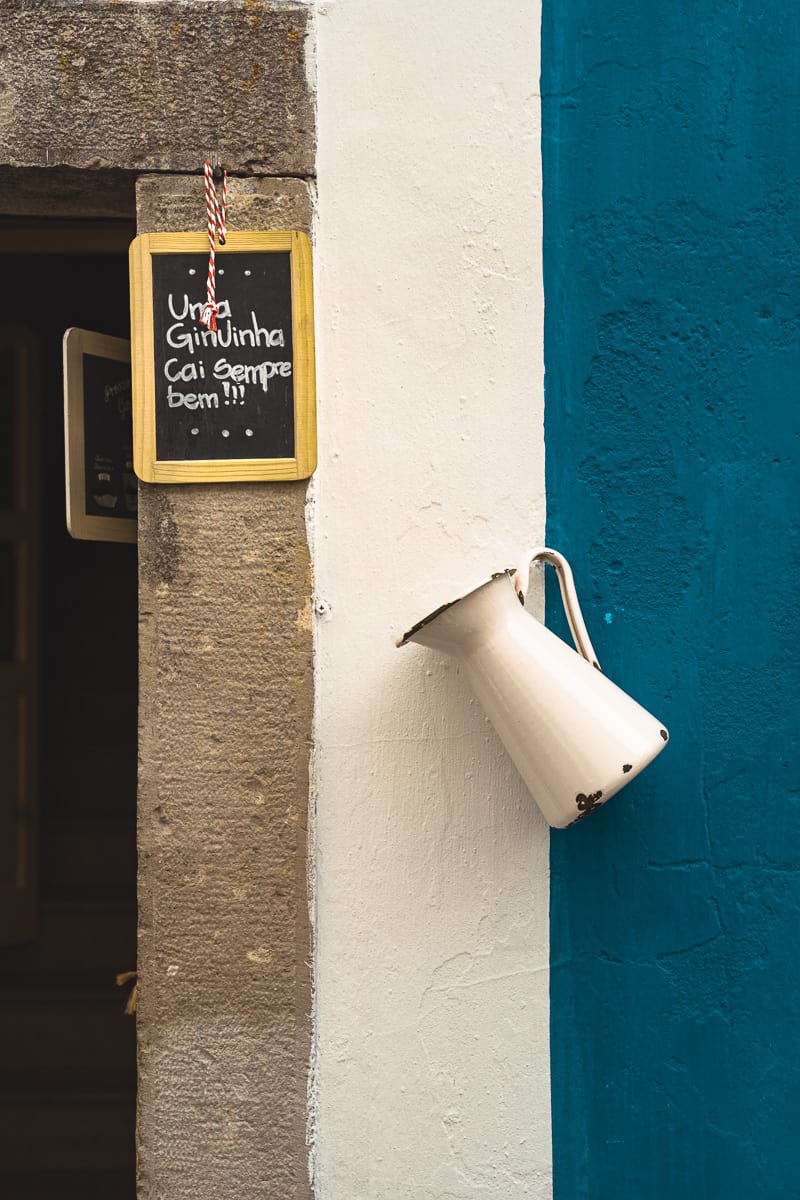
[
  {"x": 184, "y": 309},
  {"x": 256, "y": 373},
  {"x": 187, "y": 373},
  {"x": 179, "y": 336},
  {"x": 192, "y": 400}
]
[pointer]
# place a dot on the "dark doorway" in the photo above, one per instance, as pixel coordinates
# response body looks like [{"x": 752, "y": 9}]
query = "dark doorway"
[{"x": 67, "y": 1048}]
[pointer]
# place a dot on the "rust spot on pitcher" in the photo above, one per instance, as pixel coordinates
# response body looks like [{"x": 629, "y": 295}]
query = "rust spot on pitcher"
[{"x": 587, "y": 804}]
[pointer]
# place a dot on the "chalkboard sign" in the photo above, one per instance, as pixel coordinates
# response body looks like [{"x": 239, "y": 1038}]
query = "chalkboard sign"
[
  {"x": 233, "y": 404},
  {"x": 101, "y": 487}
]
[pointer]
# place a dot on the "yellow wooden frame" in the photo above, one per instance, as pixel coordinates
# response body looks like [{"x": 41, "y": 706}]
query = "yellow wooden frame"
[
  {"x": 81, "y": 524},
  {"x": 154, "y": 470}
]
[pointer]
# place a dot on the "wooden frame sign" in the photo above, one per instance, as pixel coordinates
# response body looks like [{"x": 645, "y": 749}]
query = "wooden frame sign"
[
  {"x": 102, "y": 492},
  {"x": 237, "y": 403}
]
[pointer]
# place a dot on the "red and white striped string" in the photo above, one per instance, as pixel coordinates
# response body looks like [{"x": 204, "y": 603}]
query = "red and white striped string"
[{"x": 215, "y": 213}]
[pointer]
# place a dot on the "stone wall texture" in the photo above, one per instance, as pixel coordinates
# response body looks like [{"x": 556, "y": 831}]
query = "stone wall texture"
[
  {"x": 225, "y": 729},
  {"x": 153, "y": 86}
]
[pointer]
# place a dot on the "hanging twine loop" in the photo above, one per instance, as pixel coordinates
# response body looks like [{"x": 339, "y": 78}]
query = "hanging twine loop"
[{"x": 215, "y": 213}]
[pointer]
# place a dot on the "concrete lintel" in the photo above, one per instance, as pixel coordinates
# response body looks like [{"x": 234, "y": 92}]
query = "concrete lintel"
[{"x": 143, "y": 86}]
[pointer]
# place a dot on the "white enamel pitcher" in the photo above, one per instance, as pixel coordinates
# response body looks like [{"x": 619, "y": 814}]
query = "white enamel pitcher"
[{"x": 573, "y": 735}]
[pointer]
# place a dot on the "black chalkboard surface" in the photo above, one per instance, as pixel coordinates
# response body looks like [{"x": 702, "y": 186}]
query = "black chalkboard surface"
[
  {"x": 237, "y": 403},
  {"x": 101, "y": 487}
]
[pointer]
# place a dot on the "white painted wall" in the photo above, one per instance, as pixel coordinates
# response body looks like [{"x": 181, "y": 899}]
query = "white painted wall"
[{"x": 431, "y": 858}]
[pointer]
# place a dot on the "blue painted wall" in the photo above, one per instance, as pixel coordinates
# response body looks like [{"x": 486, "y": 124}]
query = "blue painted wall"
[{"x": 672, "y": 283}]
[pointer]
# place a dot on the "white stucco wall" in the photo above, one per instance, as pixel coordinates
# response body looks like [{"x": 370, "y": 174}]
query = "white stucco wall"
[{"x": 431, "y": 909}]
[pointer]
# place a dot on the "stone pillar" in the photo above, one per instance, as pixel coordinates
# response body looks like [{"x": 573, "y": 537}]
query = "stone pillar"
[
  {"x": 95, "y": 93},
  {"x": 225, "y": 735}
]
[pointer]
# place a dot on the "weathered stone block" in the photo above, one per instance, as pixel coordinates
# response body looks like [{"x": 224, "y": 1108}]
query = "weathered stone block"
[
  {"x": 225, "y": 735},
  {"x": 178, "y": 204},
  {"x": 154, "y": 86},
  {"x": 62, "y": 192}
]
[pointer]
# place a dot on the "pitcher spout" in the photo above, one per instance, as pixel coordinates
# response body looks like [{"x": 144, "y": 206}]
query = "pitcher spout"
[{"x": 451, "y": 628}]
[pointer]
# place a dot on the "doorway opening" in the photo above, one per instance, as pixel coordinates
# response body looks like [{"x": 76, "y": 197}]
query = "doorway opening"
[{"x": 68, "y": 677}]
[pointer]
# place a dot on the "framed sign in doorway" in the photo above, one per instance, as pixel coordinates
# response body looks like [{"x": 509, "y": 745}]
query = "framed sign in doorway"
[
  {"x": 238, "y": 402},
  {"x": 102, "y": 492}
]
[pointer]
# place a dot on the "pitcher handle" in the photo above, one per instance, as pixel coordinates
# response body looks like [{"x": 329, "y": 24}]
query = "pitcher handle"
[{"x": 569, "y": 596}]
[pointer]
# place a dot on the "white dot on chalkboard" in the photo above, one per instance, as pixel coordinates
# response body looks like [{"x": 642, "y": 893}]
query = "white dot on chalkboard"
[
  {"x": 195, "y": 432},
  {"x": 221, "y": 271},
  {"x": 225, "y": 433},
  {"x": 192, "y": 271},
  {"x": 249, "y": 432},
  {"x": 248, "y": 272}
]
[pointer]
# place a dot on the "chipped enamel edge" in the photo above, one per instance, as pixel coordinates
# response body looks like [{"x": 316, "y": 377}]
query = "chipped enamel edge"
[{"x": 509, "y": 571}]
